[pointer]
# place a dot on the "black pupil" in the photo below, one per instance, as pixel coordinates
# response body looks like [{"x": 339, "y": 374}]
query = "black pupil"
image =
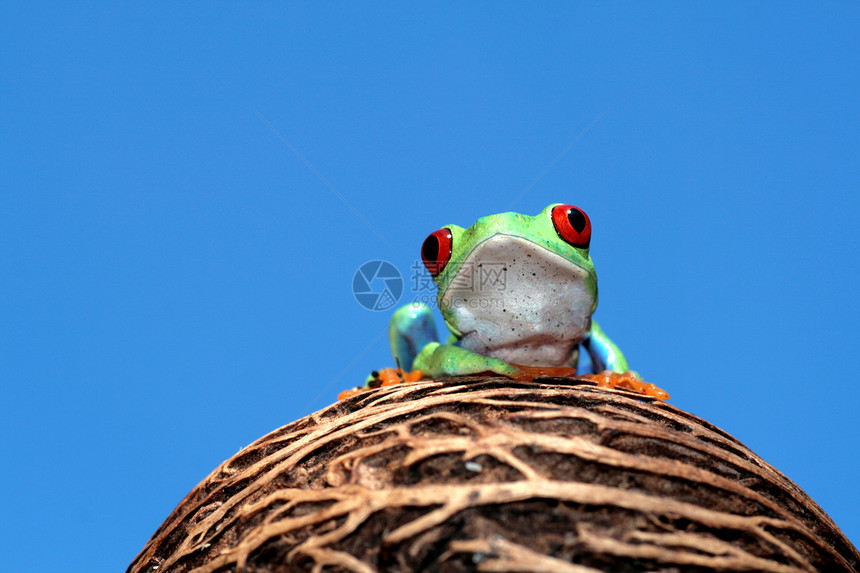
[
  {"x": 430, "y": 250},
  {"x": 576, "y": 219}
]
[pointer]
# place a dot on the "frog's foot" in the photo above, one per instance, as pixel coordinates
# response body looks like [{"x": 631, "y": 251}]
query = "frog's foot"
[
  {"x": 392, "y": 376},
  {"x": 446, "y": 360},
  {"x": 350, "y": 393},
  {"x": 629, "y": 381},
  {"x": 384, "y": 377},
  {"x": 545, "y": 371}
]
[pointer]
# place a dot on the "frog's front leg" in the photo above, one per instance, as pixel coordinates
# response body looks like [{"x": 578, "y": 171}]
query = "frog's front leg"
[
  {"x": 610, "y": 368},
  {"x": 411, "y": 328},
  {"x": 605, "y": 354},
  {"x": 437, "y": 360},
  {"x": 412, "y": 334}
]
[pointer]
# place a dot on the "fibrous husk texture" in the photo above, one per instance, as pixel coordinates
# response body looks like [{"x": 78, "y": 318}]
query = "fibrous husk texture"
[{"x": 485, "y": 474}]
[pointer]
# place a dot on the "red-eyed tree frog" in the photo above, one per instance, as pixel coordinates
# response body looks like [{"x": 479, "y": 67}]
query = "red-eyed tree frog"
[{"x": 517, "y": 294}]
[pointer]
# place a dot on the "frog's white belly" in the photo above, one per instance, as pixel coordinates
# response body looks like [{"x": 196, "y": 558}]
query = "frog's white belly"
[{"x": 524, "y": 304}]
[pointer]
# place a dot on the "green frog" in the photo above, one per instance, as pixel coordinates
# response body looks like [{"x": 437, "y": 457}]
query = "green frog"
[{"x": 517, "y": 293}]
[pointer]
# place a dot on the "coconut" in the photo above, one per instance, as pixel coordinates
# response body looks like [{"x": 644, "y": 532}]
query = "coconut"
[{"x": 485, "y": 474}]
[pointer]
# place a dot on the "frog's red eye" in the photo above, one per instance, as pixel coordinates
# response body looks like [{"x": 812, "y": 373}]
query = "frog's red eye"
[
  {"x": 572, "y": 225},
  {"x": 436, "y": 251}
]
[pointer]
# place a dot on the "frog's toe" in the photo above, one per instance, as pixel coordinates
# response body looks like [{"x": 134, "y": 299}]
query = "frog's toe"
[
  {"x": 350, "y": 393},
  {"x": 629, "y": 381}
]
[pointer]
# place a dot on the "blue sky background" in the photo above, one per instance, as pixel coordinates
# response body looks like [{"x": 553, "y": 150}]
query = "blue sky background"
[{"x": 176, "y": 282}]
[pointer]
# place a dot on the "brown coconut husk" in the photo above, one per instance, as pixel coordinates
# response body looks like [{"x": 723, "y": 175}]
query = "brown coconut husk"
[{"x": 486, "y": 474}]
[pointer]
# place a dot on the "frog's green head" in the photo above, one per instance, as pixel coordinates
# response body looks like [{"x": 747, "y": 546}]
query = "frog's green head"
[{"x": 513, "y": 271}]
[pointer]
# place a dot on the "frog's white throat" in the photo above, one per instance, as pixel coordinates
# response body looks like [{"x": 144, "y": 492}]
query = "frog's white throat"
[{"x": 515, "y": 300}]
